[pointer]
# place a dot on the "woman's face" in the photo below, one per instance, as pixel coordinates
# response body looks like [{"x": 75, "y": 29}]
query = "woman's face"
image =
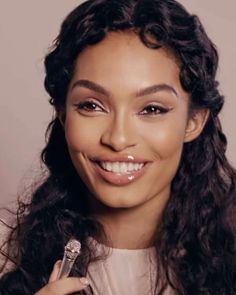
[{"x": 126, "y": 119}]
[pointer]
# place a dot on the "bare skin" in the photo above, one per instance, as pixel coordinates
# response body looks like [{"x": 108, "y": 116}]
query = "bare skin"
[
  {"x": 63, "y": 286},
  {"x": 125, "y": 228},
  {"x": 116, "y": 113}
]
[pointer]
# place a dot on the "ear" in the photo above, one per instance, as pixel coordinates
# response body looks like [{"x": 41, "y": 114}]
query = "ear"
[
  {"x": 61, "y": 116},
  {"x": 196, "y": 123}
]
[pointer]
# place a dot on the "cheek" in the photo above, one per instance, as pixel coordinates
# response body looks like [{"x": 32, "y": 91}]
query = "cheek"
[
  {"x": 79, "y": 136},
  {"x": 166, "y": 139}
]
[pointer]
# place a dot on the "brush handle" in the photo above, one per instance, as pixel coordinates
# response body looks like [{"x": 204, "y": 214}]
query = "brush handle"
[
  {"x": 72, "y": 250},
  {"x": 66, "y": 267}
]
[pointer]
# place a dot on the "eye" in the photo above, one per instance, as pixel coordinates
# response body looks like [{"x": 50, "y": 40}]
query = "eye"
[
  {"x": 89, "y": 106},
  {"x": 154, "y": 109}
]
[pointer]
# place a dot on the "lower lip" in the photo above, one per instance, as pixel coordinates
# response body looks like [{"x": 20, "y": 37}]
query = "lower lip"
[{"x": 118, "y": 178}]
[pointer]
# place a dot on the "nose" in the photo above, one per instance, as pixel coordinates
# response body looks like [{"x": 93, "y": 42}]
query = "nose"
[{"x": 119, "y": 134}]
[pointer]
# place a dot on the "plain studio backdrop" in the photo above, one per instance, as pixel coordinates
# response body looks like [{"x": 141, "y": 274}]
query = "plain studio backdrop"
[{"x": 27, "y": 29}]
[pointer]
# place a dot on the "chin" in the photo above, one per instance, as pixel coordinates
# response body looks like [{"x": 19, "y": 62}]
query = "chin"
[{"x": 119, "y": 201}]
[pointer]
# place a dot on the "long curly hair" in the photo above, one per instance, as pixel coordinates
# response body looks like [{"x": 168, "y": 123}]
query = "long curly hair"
[{"x": 195, "y": 244}]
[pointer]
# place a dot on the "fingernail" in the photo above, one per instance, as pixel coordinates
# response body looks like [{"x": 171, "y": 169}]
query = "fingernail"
[{"x": 84, "y": 281}]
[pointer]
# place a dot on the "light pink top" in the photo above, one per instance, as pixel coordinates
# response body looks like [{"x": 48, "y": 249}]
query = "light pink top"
[
  {"x": 126, "y": 272},
  {"x": 123, "y": 272}
]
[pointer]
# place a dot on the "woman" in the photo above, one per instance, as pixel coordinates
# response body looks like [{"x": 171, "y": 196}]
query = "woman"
[{"x": 136, "y": 160}]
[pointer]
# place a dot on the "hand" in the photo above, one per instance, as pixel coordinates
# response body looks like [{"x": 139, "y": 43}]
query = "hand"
[{"x": 63, "y": 286}]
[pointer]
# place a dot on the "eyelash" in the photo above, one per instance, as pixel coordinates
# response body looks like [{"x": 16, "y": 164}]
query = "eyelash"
[
  {"x": 88, "y": 106},
  {"x": 155, "y": 110},
  {"x": 151, "y": 109}
]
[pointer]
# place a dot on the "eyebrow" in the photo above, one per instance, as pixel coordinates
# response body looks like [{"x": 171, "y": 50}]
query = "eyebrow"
[{"x": 142, "y": 92}]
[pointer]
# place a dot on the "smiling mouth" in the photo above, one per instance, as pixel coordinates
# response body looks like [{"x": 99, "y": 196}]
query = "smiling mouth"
[
  {"x": 120, "y": 167},
  {"x": 119, "y": 173}
]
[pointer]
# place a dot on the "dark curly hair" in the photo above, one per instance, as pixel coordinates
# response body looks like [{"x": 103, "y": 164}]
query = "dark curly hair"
[{"x": 195, "y": 245}]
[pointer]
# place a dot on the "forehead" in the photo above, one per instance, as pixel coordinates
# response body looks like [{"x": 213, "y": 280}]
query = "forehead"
[
  {"x": 122, "y": 59},
  {"x": 125, "y": 46}
]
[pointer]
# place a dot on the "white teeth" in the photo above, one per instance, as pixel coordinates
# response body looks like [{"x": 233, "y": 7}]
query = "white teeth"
[
  {"x": 136, "y": 167},
  {"x": 108, "y": 167},
  {"x": 115, "y": 167},
  {"x": 121, "y": 167},
  {"x": 130, "y": 166}
]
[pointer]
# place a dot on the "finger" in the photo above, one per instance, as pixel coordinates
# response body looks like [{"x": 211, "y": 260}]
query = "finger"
[
  {"x": 64, "y": 286},
  {"x": 55, "y": 271}
]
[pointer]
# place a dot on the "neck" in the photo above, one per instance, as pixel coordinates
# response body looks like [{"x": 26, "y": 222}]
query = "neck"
[{"x": 131, "y": 228}]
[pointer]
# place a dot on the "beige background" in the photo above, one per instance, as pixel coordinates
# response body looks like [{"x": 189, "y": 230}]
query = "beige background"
[{"x": 27, "y": 28}]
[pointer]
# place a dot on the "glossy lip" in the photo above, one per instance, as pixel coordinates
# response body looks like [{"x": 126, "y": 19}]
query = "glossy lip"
[{"x": 119, "y": 179}]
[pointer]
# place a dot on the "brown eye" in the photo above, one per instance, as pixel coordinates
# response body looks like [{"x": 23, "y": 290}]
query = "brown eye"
[
  {"x": 153, "y": 109},
  {"x": 89, "y": 106}
]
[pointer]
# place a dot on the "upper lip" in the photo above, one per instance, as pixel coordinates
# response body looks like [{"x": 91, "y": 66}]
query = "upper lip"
[{"x": 126, "y": 159}]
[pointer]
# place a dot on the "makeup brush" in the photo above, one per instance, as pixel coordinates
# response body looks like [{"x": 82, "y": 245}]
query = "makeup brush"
[{"x": 72, "y": 250}]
